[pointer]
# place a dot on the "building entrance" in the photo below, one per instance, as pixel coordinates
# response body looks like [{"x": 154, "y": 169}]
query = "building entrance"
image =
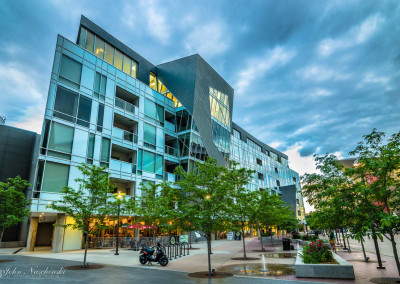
[{"x": 44, "y": 234}]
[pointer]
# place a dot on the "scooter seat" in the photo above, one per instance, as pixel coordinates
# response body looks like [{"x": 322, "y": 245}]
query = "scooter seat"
[{"x": 148, "y": 250}]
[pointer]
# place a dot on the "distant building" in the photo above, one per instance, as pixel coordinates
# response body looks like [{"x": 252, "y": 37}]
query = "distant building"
[
  {"x": 2, "y": 120},
  {"x": 109, "y": 106}
]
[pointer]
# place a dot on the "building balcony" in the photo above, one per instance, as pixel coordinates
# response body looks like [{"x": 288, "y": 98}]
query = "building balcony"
[
  {"x": 123, "y": 167},
  {"x": 126, "y": 106},
  {"x": 170, "y": 126},
  {"x": 171, "y": 151},
  {"x": 124, "y": 135},
  {"x": 169, "y": 177}
]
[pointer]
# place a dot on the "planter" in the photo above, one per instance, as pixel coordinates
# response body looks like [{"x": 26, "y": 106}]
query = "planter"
[{"x": 342, "y": 270}]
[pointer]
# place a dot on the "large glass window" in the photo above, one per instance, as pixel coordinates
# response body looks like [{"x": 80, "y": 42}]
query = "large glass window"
[
  {"x": 105, "y": 151},
  {"x": 219, "y": 107},
  {"x": 148, "y": 162},
  {"x": 89, "y": 41},
  {"x": 84, "y": 111},
  {"x": 90, "y": 151},
  {"x": 236, "y": 134},
  {"x": 150, "y": 109},
  {"x": 99, "y": 48},
  {"x": 149, "y": 135},
  {"x": 100, "y": 83},
  {"x": 127, "y": 65},
  {"x": 118, "y": 59},
  {"x": 153, "y": 81},
  {"x": 100, "y": 117},
  {"x": 82, "y": 35},
  {"x": 109, "y": 55},
  {"x": 159, "y": 166},
  {"x": 66, "y": 104},
  {"x": 55, "y": 177},
  {"x": 134, "y": 69},
  {"x": 160, "y": 113},
  {"x": 70, "y": 71},
  {"x": 60, "y": 141}
]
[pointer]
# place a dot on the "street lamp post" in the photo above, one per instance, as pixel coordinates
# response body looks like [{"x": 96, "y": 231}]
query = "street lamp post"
[{"x": 119, "y": 197}]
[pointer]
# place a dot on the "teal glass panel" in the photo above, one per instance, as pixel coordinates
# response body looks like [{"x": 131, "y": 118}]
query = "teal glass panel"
[
  {"x": 105, "y": 150},
  {"x": 159, "y": 164},
  {"x": 84, "y": 111},
  {"x": 160, "y": 113},
  {"x": 149, "y": 134},
  {"x": 82, "y": 37},
  {"x": 100, "y": 117},
  {"x": 66, "y": 104},
  {"x": 55, "y": 177},
  {"x": 91, "y": 146},
  {"x": 70, "y": 70},
  {"x": 150, "y": 109},
  {"x": 148, "y": 161},
  {"x": 61, "y": 137},
  {"x": 140, "y": 158}
]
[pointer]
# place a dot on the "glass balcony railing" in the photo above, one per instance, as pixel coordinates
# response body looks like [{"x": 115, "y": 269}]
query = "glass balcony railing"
[
  {"x": 122, "y": 166},
  {"x": 120, "y": 103},
  {"x": 169, "y": 126},
  {"x": 171, "y": 151},
  {"x": 124, "y": 135},
  {"x": 169, "y": 177}
]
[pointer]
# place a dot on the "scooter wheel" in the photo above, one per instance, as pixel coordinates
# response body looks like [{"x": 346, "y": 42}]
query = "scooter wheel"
[
  {"x": 142, "y": 260},
  {"x": 163, "y": 261}
]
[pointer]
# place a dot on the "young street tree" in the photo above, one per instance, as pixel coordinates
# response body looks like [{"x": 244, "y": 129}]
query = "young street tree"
[
  {"x": 206, "y": 199},
  {"x": 244, "y": 206},
  {"x": 88, "y": 204},
  {"x": 12, "y": 203},
  {"x": 378, "y": 175}
]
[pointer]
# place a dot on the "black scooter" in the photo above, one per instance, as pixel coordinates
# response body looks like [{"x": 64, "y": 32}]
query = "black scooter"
[{"x": 146, "y": 255}]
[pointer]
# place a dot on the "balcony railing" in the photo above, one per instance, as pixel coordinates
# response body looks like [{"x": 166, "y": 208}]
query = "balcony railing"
[
  {"x": 169, "y": 126},
  {"x": 120, "y": 103},
  {"x": 169, "y": 177},
  {"x": 124, "y": 135},
  {"x": 122, "y": 166},
  {"x": 171, "y": 151}
]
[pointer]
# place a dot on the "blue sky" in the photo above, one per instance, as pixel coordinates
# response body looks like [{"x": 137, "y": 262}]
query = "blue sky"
[{"x": 309, "y": 76}]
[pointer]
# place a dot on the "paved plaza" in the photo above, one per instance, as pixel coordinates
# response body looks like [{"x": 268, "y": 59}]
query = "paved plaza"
[{"x": 126, "y": 267}]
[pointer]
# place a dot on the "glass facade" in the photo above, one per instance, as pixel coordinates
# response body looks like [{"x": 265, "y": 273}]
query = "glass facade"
[{"x": 96, "y": 114}]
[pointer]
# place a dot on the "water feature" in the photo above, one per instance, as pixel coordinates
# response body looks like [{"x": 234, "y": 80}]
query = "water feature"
[{"x": 259, "y": 269}]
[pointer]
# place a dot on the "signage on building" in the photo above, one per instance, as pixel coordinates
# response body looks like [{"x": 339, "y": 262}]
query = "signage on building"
[
  {"x": 229, "y": 236},
  {"x": 184, "y": 238}
]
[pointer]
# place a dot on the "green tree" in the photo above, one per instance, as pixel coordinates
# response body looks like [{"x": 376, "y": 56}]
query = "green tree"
[
  {"x": 377, "y": 174},
  {"x": 206, "y": 199},
  {"x": 88, "y": 204},
  {"x": 12, "y": 203}
]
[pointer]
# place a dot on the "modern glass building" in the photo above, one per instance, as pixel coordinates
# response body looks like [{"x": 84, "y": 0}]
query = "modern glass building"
[{"x": 109, "y": 106}]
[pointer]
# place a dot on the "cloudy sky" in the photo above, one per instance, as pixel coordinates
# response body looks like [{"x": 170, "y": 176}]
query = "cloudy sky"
[{"x": 309, "y": 76}]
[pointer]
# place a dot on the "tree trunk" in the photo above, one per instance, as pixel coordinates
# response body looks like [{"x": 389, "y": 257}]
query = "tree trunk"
[
  {"x": 261, "y": 241},
  {"x": 362, "y": 246},
  {"x": 244, "y": 246},
  {"x": 344, "y": 240},
  {"x": 396, "y": 256},
  {"x": 378, "y": 254},
  {"x": 209, "y": 253},
  {"x": 86, "y": 246},
  {"x": 1, "y": 234},
  {"x": 190, "y": 239}
]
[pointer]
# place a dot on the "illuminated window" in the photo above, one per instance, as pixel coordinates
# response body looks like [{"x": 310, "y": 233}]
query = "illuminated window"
[
  {"x": 153, "y": 81},
  {"x": 118, "y": 59},
  {"x": 89, "y": 41},
  {"x": 99, "y": 48},
  {"x": 219, "y": 107},
  {"x": 109, "y": 55},
  {"x": 127, "y": 65}
]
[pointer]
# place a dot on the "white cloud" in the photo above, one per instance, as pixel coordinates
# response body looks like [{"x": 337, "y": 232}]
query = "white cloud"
[
  {"x": 371, "y": 78},
  {"x": 21, "y": 93},
  {"x": 320, "y": 73},
  {"x": 258, "y": 67},
  {"x": 208, "y": 39},
  {"x": 319, "y": 92},
  {"x": 156, "y": 18},
  {"x": 356, "y": 35}
]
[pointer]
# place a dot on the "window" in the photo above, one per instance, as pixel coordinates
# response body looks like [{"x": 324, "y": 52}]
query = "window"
[
  {"x": 219, "y": 110},
  {"x": 153, "y": 81},
  {"x": 100, "y": 117},
  {"x": 55, "y": 177},
  {"x": 160, "y": 113},
  {"x": 70, "y": 71},
  {"x": 109, "y": 55},
  {"x": 105, "y": 152},
  {"x": 236, "y": 134},
  {"x": 278, "y": 183},
  {"x": 159, "y": 166},
  {"x": 294, "y": 180},
  {"x": 66, "y": 104},
  {"x": 253, "y": 145},
  {"x": 90, "y": 149},
  {"x": 298, "y": 212},
  {"x": 127, "y": 65},
  {"x": 134, "y": 69},
  {"x": 118, "y": 59},
  {"x": 89, "y": 41},
  {"x": 297, "y": 201},
  {"x": 149, "y": 135},
  {"x": 100, "y": 83},
  {"x": 82, "y": 35},
  {"x": 99, "y": 48},
  {"x": 259, "y": 162},
  {"x": 84, "y": 111},
  {"x": 154, "y": 111},
  {"x": 149, "y": 161},
  {"x": 260, "y": 176},
  {"x": 276, "y": 170},
  {"x": 60, "y": 141}
]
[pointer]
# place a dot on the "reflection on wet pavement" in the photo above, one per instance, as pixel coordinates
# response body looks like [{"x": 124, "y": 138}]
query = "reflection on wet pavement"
[
  {"x": 279, "y": 255},
  {"x": 259, "y": 269}
]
